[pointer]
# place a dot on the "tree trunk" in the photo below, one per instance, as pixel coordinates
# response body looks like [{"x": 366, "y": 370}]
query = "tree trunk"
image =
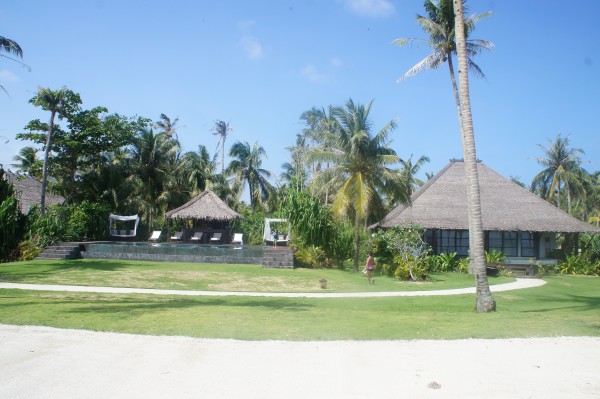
[
  {"x": 456, "y": 96},
  {"x": 485, "y": 302},
  {"x": 356, "y": 239},
  {"x": 45, "y": 168}
]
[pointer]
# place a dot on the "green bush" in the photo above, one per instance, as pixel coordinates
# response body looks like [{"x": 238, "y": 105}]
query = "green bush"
[
  {"x": 579, "y": 264},
  {"x": 402, "y": 253},
  {"x": 28, "y": 250},
  {"x": 311, "y": 257},
  {"x": 11, "y": 219}
]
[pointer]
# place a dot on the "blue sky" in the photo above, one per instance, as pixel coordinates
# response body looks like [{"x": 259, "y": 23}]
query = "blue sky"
[{"x": 260, "y": 64}]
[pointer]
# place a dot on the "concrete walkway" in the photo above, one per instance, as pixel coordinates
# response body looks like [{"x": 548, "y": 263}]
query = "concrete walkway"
[{"x": 519, "y": 284}]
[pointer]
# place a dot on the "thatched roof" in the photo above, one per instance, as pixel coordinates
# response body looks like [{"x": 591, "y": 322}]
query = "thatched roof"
[
  {"x": 206, "y": 206},
  {"x": 442, "y": 204},
  {"x": 29, "y": 190}
]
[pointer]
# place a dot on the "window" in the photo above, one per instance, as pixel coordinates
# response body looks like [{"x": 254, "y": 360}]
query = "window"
[
  {"x": 448, "y": 241},
  {"x": 527, "y": 244},
  {"x": 507, "y": 242}
]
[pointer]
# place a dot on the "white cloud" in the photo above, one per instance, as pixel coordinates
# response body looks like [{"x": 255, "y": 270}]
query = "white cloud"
[
  {"x": 370, "y": 8},
  {"x": 336, "y": 62},
  {"x": 312, "y": 74},
  {"x": 8, "y": 76},
  {"x": 252, "y": 47},
  {"x": 246, "y": 24}
]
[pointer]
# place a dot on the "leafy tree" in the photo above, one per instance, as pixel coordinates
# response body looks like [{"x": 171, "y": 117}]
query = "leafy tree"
[
  {"x": 60, "y": 103},
  {"x": 361, "y": 161},
  {"x": 245, "y": 168},
  {"x": 221, "y": 129},
  {"x": 485, "y": 302}
]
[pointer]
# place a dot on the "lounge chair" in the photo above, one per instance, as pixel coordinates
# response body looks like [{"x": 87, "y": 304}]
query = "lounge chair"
[
  {"x": 197, "y": 237},
  {"x": 238, "y": 238},
  {"x": 177, "y": 236},
  {"x": 155, "y": 235},
  {"x": 216, "y": 238}
]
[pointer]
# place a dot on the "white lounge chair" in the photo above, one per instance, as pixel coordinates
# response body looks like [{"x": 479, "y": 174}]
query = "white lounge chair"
[
  {"x": 177, "y": 236},
  {"x": 216, "y": 238},
  {"x": 197, "y": 237},
  {"x": 155, "y": 235},
  {"x": 238, "y": 238}
]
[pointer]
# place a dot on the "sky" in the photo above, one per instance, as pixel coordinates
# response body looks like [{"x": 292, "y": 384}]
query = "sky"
[{"x": 260, "y": 64}]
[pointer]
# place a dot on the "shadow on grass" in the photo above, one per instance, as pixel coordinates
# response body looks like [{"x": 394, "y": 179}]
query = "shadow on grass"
[
  {"x": 125, "y": 305},
  {"x": 568, "y": 301},
  {"x": 22, "y": 271}
]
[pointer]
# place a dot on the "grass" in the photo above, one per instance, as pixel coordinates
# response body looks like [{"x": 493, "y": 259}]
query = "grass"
[
  {"x": 566, "y": 306},
  {"x": 212, "y": 277}
]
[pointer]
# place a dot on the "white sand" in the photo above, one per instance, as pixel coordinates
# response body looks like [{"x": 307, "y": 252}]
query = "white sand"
[{"x": 42, "y": 362}]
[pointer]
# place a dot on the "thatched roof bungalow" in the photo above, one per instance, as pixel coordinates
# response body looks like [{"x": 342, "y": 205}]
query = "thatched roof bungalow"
[
  {"x": 207, "y": 213},
  {"x": 515, "y": 221},
  {"x": 28, "y": 191}
]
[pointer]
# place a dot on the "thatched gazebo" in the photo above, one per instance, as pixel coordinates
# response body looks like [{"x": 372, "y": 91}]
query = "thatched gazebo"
[
  {"x": 208, "y": 214},
  {"x": 514, "y": 219}
]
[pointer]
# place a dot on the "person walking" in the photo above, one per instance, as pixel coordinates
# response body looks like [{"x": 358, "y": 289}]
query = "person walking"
[{"x": 370, "y": 266}]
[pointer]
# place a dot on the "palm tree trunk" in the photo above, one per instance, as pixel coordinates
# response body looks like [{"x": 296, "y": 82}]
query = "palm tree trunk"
[
  {"x": 356, "y": 239},
  {"x": 45, "y": 168},
  {"x": 456, "y": 96},
  {"x": 485, "y": 302}
]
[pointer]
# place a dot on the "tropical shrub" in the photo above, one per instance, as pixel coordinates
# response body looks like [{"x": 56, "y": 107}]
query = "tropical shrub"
[
  {"x": 252, "y": 226},
  {"x": 11, "y": 219},
  {"x": 494, "y": 256},
  {"x": 45, "y": 230},
  {"x": 312, "y": 222},
  {"x": 312, "y": 256},
  {"x": 28, "y": 250},
  {"x": 402, "y": 253},
  {"x": 579, "y": 264}
]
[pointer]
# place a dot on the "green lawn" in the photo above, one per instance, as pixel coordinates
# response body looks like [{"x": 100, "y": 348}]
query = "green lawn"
[
  {"x": 212, "y": 277},
  {"x": 567, "y": 305}
]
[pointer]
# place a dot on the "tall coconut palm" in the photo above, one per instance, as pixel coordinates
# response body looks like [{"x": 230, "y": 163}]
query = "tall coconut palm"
[
  {"x": 60, "y": 103},
  {"x": 200, "y": 168},
  {"x": 409, "y": 171},
  {"x": 484, "y": 302},
  {"x": 562, "y": 174},
  {"x": 11, "y": 47},
  {"x": 439, "y": 25},
  {"x": 152, "y": 158},
  {"x": 245, "y": 168},
  {"x": 361, "y": 159},
  {"x": 221, "y": 129},
  {"x": 28, "y": 162},
  {"x": 167, "y": 125}
]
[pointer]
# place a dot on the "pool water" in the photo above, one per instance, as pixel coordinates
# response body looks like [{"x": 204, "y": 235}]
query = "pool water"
[{"x": 166, "y": 252}]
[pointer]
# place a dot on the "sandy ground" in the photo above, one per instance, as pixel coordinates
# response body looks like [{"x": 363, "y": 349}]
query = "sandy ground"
[{"x": 42, "y": 362}]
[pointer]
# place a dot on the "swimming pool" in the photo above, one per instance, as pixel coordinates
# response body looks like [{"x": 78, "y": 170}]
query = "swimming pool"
[{"x": 166, "y": 252}]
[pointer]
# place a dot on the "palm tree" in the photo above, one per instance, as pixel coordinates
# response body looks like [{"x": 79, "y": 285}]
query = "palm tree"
[
  {"x": 152, "y": 165},
  {"x": 246, "y": 169},
  {"x": 409, "y": 171},
  {"x": 167, "y": 126},
  {"x": 28, "y": 162},
  {"x": 361, "y": 160},
  {"x": 439, "y": 26},
  {"x": 200, "y": 169},
  {"x": 61, "y": 102},
  {"x": 485, "y": 302},
  {"x": 11, "y": 47},
  {"x": 562, "y": 174},
  {"x": 221, "y": 129}
]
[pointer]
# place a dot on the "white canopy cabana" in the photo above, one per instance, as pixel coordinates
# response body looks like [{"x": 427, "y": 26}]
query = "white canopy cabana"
[
  {"x": 268, "y": 236},
  {"x": 116, "y": 232}
]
